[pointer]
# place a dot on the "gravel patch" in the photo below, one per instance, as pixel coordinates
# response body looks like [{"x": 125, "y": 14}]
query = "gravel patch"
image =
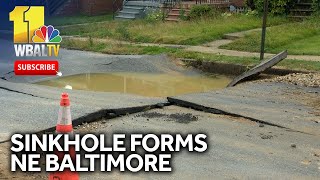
[
  {"x": 300, "y": 79},
  {"x": 177, "y": 117}
]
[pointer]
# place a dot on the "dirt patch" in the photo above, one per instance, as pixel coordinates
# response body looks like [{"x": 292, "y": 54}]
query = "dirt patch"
[
  {"x": 177, "y": 117},
  {"x": 300, "y": 79},
  {"x": 92, "y": 127},
  {"x": 310, "y": 99},
  {"x": 315, "y": 103}
]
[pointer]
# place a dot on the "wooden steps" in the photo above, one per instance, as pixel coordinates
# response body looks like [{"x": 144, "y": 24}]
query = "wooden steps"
[
  {"x": 301, "y": 10},
  {"x": 174, "y": 14}
]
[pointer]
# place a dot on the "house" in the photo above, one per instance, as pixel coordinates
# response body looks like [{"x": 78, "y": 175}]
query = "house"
[
  {"x": 134, "y": 8},
  {"x": 87, "y": 7},
  {"x": 127, "y": 9}
]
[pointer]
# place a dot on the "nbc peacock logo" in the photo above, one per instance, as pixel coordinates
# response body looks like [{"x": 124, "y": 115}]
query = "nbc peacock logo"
[
  {"x": 45, "y": 42},
  {"x": 46, "y": 34}
]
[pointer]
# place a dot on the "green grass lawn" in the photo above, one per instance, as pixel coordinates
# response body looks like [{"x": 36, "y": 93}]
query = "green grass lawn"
[
  {"x": 310, "y": 45},
  {"x": 184, "y": 32},
  {"x": 298, "y": 38},
  {"x": 78, "y": 19},
  {"x": 116, "y": 48}
]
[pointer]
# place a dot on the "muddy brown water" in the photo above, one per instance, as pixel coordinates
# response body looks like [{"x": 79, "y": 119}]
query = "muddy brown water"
[{"x": 152, "y": 85}]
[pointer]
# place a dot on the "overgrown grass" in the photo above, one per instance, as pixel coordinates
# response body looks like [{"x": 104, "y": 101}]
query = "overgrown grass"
[
  {"x": 184, "y": 32},
  {"x": 297, "y": 38},
  {"x": 114, "y": 48},
  {"x": 78, "y": 19},
  {"x": 248, "y": 61}
]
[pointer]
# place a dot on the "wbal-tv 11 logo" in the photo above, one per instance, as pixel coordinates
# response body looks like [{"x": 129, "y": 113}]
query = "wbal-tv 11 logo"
[
  {"x": 34, "y": 39},
  {"x": 31, "y": 37}
]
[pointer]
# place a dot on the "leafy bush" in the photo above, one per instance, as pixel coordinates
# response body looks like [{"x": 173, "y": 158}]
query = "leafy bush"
[
  {"x": 202, "y": 11},
  {"x": 276, "y": 7},
  {"x": 154, "y": 15},
  {"x": 316, "y": 6},
  {"x": 251, "y": 13}
]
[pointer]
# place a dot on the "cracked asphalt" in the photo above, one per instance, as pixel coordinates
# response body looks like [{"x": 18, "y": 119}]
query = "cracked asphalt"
[
  {"x": 245, "y": 138},
  {"x": 238, "y": 148},
  {"x": 278, "y": 104}
]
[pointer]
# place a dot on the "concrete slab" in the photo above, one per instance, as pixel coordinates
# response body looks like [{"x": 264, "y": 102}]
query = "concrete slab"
[
  {"x": 238, "y": 148},
  {"x": 33, "y": 108},
  {"x": 267, "y": 64},
  {"x": 274, "y": 103}
]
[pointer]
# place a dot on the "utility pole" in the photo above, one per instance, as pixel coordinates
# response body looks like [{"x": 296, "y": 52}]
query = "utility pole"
[{"x": 264, "y": 26}]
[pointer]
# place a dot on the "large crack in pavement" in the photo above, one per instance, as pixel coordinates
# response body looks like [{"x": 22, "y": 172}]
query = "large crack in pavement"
[
  {"x": 109, "y": 114},
  {"x": 198, "y": 107},
  {"x": 275, "y": 104},
  {"x": 104, "y": 114},
  {"x": 114, "y": 113},
  {"x": 20, "y": 92}
]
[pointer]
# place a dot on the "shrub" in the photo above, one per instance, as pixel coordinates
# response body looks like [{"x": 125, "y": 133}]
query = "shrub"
[
  {"x": 201, "y": 11},
  {"x": 316, "y": 6},
  {"x": 154, "y": 15},
  {"x": 252, "y": 13},
  {"x": 276, "y": 7}
]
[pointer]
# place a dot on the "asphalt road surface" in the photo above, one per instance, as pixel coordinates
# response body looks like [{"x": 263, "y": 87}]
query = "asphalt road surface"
[
  {"x": 237, "y": 147},
  {"x": 264, "y": 130},
  {"x": 279, "y": 104}
]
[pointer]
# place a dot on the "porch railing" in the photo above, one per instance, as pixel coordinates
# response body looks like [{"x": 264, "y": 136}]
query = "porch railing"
[
  {"x": 212, "y": 1},
  {"x": 170, "y": 3}
]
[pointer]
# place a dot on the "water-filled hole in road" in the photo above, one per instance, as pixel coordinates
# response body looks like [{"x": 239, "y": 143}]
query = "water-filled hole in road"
[{"x": 145, "y": 84}]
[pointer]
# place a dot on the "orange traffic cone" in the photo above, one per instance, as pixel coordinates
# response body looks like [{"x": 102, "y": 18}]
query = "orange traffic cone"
[{"x": 64, "y": 126}]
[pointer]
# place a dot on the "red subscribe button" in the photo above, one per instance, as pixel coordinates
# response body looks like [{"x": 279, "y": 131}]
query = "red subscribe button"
[{"x": 22, "y": 67}]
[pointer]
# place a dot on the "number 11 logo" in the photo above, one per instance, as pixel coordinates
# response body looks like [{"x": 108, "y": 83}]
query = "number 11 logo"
[{"x": 26, "y": 19}]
